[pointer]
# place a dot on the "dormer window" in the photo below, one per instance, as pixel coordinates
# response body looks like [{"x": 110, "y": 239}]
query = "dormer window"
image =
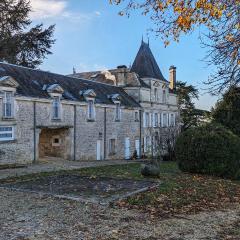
[
  {"x": 118, "y": 112},
  {"x": 56, "y": 108},
  {"x": 91, "y": 110},
  {"x": 8, "y": 105}
]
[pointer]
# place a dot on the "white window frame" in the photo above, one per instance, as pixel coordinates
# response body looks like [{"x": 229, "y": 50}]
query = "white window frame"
[
  {"x": 6, "y": 132},
  {"x": 147, "y": 119},
  {"x": 164, "y": 119},
  {"x": 90, "y": 109},
  {"x": 56, "y": 103},
  {"x": 117, "y": 112},
  {"x": 5, "y": 102},
  {"x": 172, "y": 120}
]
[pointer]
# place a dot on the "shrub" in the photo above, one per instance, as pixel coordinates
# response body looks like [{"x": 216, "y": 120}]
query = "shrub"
[{"x": 209, "y": 149}]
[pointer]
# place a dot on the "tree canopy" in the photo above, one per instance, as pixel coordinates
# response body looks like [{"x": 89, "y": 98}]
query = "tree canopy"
[
  {"x": 221, "y": 23},
  {"x": 186, "y": 95},
  {"x": 19, "y": 43},
  {"x": 227, "y": 110}
]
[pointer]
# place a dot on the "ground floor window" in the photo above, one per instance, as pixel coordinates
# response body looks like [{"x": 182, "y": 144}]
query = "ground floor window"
[
  {"x": 6, "y": 133},
  {"x": 112, "y": 146}
]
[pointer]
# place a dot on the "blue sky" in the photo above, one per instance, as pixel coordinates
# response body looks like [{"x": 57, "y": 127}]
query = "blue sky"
[{"x": 90, "y": 35}]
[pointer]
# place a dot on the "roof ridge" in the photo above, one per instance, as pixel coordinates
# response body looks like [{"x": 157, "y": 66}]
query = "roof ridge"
[{"x": 44, "y": 71}]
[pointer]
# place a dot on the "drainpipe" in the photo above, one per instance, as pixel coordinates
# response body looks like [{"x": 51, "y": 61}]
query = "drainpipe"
[
  {"x": 74, "y": 132},
  {"x": 105, "y": 134},
  {"x": 140, "y": 133},
  {"x": 34, "y": 134}
]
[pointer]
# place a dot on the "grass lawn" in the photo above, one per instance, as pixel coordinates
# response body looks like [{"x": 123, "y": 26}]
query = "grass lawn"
[{"x": 178, "y": 192}]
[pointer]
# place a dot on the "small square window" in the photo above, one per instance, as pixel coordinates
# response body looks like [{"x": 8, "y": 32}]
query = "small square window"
[{"x": 56, "y": 141}]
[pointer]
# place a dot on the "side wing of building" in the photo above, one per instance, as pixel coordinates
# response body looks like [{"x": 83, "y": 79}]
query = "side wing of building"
[{"x": 49, "y": 115}]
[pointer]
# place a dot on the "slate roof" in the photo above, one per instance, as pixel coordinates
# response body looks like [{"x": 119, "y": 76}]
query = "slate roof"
[
  {"x": 32, "y": 82},
  {"x": 145, "y": 64}
]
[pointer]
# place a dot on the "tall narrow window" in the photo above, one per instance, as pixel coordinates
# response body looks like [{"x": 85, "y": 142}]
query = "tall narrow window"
[
  {"x": 112, "y": 146},
  {"x": 90, "y": 109},
  {"x": 172, "y": 120},
  {"x": 164, "y": 120},
  {"x": 8, "y": 105},
  {"x": 147, "y": 123},
  {"x": 118, "y": 112},
  {"x": 136, "y": 116},
  {"x": 156, "y": 120},
  {"x": 56, "y": 108},
  {"x": 155, "y": 94},
  {"x": 164, "y": 97}
]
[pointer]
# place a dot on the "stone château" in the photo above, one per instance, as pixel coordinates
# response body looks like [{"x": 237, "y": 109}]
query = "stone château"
[{"x": 85, "y": 116}]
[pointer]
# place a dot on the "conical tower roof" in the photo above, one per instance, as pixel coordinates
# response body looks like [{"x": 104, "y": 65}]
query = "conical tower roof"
[{"x": 145, "y": 64}]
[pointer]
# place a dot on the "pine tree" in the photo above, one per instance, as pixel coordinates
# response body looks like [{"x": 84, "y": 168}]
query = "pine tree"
[{"x": 19, "y": 43}]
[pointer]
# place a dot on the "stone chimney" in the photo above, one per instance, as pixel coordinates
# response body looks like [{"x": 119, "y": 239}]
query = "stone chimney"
[
  {"x": 121, "y": 75},
  {"x": 172, "y": 77}
]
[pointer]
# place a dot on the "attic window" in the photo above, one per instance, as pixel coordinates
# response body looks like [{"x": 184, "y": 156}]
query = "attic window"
[
  {"x": 118, "y": 112},
  {"x": 8, "y": 104},
  {"x": 91, "y": 110},
  {"x": 56, "y": 106}
]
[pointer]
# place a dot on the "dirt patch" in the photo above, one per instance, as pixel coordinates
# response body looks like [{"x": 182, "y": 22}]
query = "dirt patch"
[{"x": 83, "y": 188}]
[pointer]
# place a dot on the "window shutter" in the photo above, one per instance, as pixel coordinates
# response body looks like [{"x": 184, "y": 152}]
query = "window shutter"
[
  {"x": 150, "y": 119},
  {"x": 162, "y": 119}
]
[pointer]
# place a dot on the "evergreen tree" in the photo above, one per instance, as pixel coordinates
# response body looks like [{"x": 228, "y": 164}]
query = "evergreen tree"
[
  {"x": 227, "y": 110},
  {"x": 20, "y": 44}
]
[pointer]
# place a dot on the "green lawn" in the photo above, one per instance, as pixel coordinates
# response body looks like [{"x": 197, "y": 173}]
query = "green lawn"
[{"x": 177, "y": 193}]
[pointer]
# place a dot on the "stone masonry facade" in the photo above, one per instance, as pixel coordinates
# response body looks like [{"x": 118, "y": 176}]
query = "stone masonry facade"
[{"x": 84, "y": 117}]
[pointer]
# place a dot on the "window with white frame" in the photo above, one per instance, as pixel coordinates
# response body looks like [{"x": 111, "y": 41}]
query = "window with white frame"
[
  {"x": 147, "y": 120},
  {"x": 172, "y": 119},
  {"x": 8, "y": 104},
  {"x": 6, "y": 133},
  {"x": 164, "y": 96},
  {"x": 155, "y": 120},
  {"x": 56, "y": 108},
  {"x": 91, "y": 110},
  {"x": 164, "y": 123},
  {"x": 112, "y": 146},
  {"x": 136, "y": 116},
  {"x": 118, "y": 112}
]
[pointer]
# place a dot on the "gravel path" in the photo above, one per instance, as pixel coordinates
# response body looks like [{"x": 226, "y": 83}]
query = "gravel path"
[{"x": 25, "y": 216}]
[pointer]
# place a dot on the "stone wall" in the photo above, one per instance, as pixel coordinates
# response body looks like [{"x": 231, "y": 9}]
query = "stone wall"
[
  {"x": 88, "y": 133},
  {"x": 19, "y": 150}
]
